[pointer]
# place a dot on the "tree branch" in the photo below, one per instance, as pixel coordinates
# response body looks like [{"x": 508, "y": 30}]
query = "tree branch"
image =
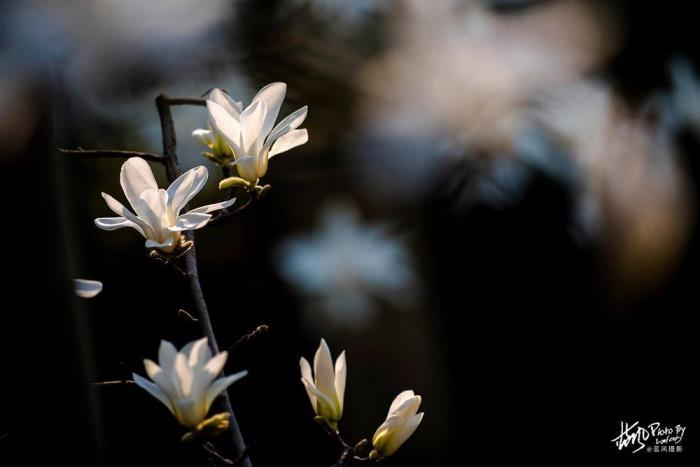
[
  {"x": 172, "y": 170},
  {"x": 349, "y": 455},
  {"x": 260, "y": 330},
  {"x": 111, "y": 153},
  {"x": 187, "y": 101},
  {"x": 222, "y": 216},
  {"x": 118, "y": 382}
]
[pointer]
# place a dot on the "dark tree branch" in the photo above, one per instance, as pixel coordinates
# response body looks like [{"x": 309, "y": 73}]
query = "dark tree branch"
[
  {"x": 223, "y": 216},
  {"x": 218, "y": 458},
  {"x": 349, "y": 455},
  {"x": 187, "y": 101},
  {"x": 172, "y": 171},
  {"x": 112, "y": 153}
]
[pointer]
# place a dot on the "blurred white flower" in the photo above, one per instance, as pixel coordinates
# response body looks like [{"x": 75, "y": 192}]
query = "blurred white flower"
[
  {"x": 85, "y": 288},
  {"x": 249, "y": 132},
  {"x": 157, "y": 210},
  {"x": 401, "y": 421},
  {"x": 185, "y": 381},
  {"x": 632, "y": 192},
  {"x": 97, "y": 46},
  {"x": 496, "y": 62},
  {"x": 326, "y": 387},
  {"x": 345, "y": 265}
]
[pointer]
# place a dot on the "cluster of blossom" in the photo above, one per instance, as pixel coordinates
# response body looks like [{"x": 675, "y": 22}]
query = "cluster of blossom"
[
  {"x": 186, "y": 381},
  {"x": 326, "y": 390}
]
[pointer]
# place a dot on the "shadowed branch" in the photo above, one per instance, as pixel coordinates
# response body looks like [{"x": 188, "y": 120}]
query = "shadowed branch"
[
  {"x": 172, "y": 170},
  {"x": 112, "y": 154}
]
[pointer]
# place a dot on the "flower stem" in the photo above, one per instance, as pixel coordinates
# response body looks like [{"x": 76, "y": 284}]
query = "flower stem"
[{"x": 172, "y": 171}]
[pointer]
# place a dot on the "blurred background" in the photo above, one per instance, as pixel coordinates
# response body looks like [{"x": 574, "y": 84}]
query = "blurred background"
[{"x": 495, "y": 208}]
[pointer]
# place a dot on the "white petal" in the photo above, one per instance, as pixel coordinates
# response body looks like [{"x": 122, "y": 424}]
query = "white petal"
[
  {"x": 190, "y": 221},
  {"x": 152, "y": 389},
  {"x": 114, "y": 223},
  {"x": 340, "y": 377},
  {"x": 272, "y": 95},
  {"x": 252, "y": 120},
  {"x": 378, "y": 433},
  {"x": 213, "y": 207},
  {"x": 323, "y": 370},
  {"x": 311, "y": 390},
  {"x": 226, "y": 125},
  {"x": 203, "y": 136},
  {"x": 216, "y": 363},
  {"x": 261, "y": 163},
  {"x": 187, "y": 185},
  {"x": 247, "y": 168},
  {"x": 220, "y": 385},
  {"x": 183, "y": 376},
  {"x": 307, "y": 376},
  {"x": 407, "y": 408},
  {"x": 120, "y": 209},
  {"x": 288, "y": 141},
  {"x": 224, "y": 100},
  {"x": 398, "y": 400},
  {"x": 204, "y": 376},
  {"x": 305, "y": 369},
  {"x": 189, "y": 412},
  {"x": 152, "y": 209},
  {"x": 86, "y": 288},
  {"x": 159, "y": 377},
  {"x": 197, "y": 353},
  {"x": 289, "y": 123},
  {"x": 136, "y": 177},
  {"x": 402, "y": 433},
  {"x": 166, "y": 356}
]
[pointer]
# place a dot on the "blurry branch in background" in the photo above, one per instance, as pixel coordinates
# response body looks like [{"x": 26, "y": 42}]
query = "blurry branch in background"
[
  {"x": 112, "y": 153},
  {"x": 173, "y": 171},
  {"x": 187, "y": 101}
]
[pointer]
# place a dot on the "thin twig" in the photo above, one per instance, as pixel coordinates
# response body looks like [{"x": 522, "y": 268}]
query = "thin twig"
[
  {"x": 222, "y": 216},
  {"x": 186, "y": 316},
  {"x": 113, "y": 383},
  {"x": 172, "y": 170},
  {"x": 349, "y": 455},
  {"x": 111, "y": 153},
  {"x": 212, "y": 452},
  {"x": 257, "y": 332}
]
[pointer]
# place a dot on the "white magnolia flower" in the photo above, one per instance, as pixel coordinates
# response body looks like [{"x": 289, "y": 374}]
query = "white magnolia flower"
[
  {"x": 248, "y": 133},
  {"x": 401, "y": 421},
  {"x": 346, "y": 265},
  {"x": 327, "y": 389},
  {"x": 185, "y": 380},
  {"x": 157, "y": 210},
  {"x": 85, "y": 288}
]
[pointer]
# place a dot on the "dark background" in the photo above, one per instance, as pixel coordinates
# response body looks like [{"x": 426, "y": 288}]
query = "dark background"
[{"x": 523, "y": 351}]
